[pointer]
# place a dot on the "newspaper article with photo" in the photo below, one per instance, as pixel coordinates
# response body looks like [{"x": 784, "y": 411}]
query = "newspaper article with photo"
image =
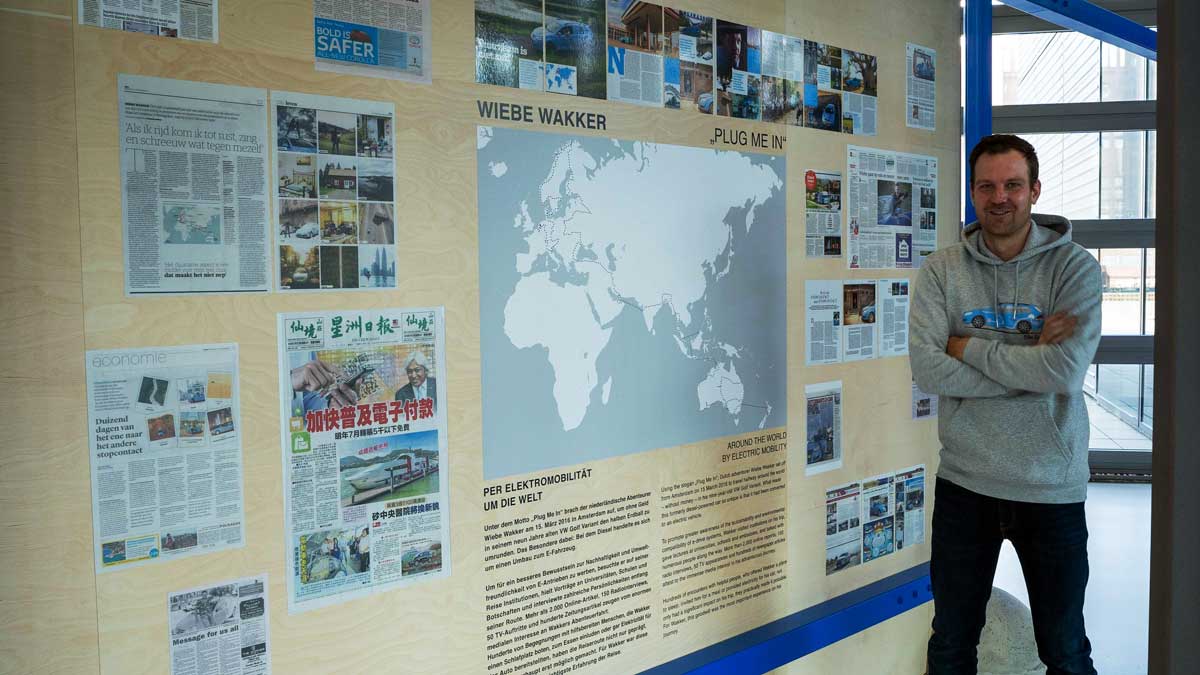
[
  {"x": 882, "y": 187},
  {"x": 689, "y": 55},
  {"x": 925, "y": 236},
  {"x": 782, "y": 79},
  {"x": 878, "y": 517},
  {"x": 823, "y": 431},
  {"x": 509, "y": 37},
  {"x": 335, "y": 193},
  {"x": 858, "y": 318},
  {"x": 823, "y": 344},
  {"x": 384, "y": 38},
  {"x": 186, "y": 19},
  {"x": 924, "y": 406},
  {"x": 860, "y": 92},
  {"x": 910, "y": 506},
  {"x": 822, "y": 214},
  {"x": 920, "y": 100},
  {"x": 739, "y": 71},
  {"x": 635, "y": 53},
  {"x": 364, "y": 439},
  {"x": 194, "y": 185},
  {"x": 221, "y": 629},
  {"x": 893, "y": 317},
  {"x": 843, "y": 531},
  {"x": 166, "y": 453}
]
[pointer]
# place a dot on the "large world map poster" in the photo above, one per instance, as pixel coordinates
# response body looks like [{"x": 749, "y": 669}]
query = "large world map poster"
[{"x": 632, "y": 296}]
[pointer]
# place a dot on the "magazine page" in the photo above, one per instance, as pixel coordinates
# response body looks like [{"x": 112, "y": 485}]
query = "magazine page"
[{"x": 335, "y": 192}]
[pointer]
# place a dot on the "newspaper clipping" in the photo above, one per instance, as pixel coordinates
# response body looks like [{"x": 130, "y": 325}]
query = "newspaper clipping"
[
  {"x": 187, "y": 19},
  {"x": 364, "y": 429},
  {"x": 843, "y": 539},
  {"x": 635, "y": 48},
  {"x": 193, "y": 186},
  {"x": 858, "y": 317},
  {"x": 166, "y": 452},
  {"x": 824, "y": 314},
  {"x": 881, "y": 189},
  {"x": 920, "y": 102},
  {"x": 783, "y": 79},
  {"x": 878, "y": 515},
  {"x": 893, "y": 317},
  {"x": 384, "y": 38},
  {"x": 335, "y": 193},
  {"x": 824, "y": 427},
  {"x": 822, "y": 214},
  {"x": 688, "y": 63},
  {"x": 925, "y": 238},
  {"x": 924, "y": 406},
  {"x": 222, "y": 629},
  {"x": 910, "y": 506}
]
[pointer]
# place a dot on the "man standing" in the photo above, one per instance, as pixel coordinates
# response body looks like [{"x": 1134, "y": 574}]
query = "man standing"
[
  {"x": 420, "y": 385},
  {"x": 1004, "y": 325}
]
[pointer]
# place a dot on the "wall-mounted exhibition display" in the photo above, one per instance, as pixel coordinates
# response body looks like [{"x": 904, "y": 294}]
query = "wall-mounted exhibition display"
[
  {"x": 335, "y": 200},
  {"x": 646, "y": 308},
  {"x": 383, "y": 38},
  {"x": 189, "y": 20},
  {"x": 650, "y": 55},
  {"x": 221, "y": 629},
  {"x": 193, "y": 186},
  {"x": 616, "y": 272},
  {"x": 364, "y": 444},
  {"x": 165, "y": 434},
  {"x": 920, "y": 65},
  {"x": 891, "y": 199}
]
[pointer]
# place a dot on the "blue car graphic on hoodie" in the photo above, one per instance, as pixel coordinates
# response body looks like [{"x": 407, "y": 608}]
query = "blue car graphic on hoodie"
[{"x": 1021, "y": 317}]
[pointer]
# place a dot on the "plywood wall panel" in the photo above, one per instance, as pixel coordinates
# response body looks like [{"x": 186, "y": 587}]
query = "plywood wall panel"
[{"x": 434, "y": 627}]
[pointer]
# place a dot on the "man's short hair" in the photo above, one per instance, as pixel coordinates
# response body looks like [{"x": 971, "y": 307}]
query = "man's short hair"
[
  {"x": 998, "y": 144},
  {"x": 417, "y": 357}
]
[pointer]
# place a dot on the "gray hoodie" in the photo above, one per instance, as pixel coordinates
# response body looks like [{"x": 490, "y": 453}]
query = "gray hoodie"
[{"x": 1012, "y": 419}]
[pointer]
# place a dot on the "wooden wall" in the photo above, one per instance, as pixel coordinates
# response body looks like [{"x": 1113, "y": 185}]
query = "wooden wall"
[{"x": 62, "y": 272}]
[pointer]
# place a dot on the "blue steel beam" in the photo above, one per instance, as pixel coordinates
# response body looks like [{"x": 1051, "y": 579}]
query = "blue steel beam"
[
  {"x": 977, "y": 122},
  {"x": 1086, "y": 18},
  {"x": 772, "y": 645}
]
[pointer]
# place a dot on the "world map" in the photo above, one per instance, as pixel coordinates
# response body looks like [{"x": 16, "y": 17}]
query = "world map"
[
  {"x": 632, "y": 296},
  {"x": 192, "y": 224}
]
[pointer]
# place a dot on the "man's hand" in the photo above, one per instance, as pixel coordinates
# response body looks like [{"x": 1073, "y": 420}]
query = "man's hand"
[
  {"x": 318, "y": 376},
  {"x": 1058, "y": 327},
  {"x": 956, "y": 345}
]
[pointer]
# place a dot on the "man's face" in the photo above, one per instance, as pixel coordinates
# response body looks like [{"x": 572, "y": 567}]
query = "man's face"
[
  {"x": 416, "y": 375},
  {"x": 1001, "y": 193},
  {"x": 737, "y": 46}
]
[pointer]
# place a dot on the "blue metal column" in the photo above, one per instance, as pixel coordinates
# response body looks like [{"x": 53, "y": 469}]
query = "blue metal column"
[{"x": 977, "y": 122}]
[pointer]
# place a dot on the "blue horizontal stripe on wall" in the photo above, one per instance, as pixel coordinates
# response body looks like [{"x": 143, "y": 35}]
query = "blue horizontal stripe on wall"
[{"x": 785, "y": 640}]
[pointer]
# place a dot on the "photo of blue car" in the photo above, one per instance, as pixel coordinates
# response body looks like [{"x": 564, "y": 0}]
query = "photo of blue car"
[
  {"x": 566, "y": 36},
  {"x": 1021, "y": 317}
]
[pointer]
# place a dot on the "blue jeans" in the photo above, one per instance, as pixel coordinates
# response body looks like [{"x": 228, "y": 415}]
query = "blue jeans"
[{"x": 1051, "y": 542}]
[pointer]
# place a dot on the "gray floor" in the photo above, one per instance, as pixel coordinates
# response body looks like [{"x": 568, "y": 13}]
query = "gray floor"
[{"x": 1118, "y": 597}]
